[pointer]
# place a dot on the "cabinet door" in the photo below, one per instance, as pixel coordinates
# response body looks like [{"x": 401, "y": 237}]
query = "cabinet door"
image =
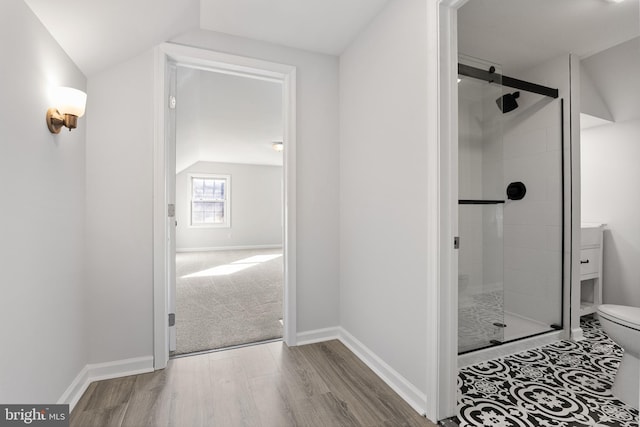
[{"x": 589, "y": 261}]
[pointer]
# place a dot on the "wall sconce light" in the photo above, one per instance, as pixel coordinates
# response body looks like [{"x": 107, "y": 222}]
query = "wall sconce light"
[
  {"x": 277, "y": 146},
  {"x": 69, "y": 104}
]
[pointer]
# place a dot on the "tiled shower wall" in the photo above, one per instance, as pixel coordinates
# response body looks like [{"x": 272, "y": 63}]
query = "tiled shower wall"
[{"x": 533, "y": 226}]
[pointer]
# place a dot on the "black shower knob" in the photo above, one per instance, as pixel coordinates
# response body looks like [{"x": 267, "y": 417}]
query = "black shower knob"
[{"x": 516, "y": 191}]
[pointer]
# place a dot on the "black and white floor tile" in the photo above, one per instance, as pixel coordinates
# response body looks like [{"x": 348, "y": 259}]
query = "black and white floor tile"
[{"x": 564, "y": 384}]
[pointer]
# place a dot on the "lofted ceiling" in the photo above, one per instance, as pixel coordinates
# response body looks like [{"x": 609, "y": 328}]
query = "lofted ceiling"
[
  {"x": 325, "y": 26},
  {"x": 100, "y": 33},
  {"x": 514, "y": 33},
  {"x": 614, "y": 73},
  {"x": 519, "y": 34},
  {"x": 226, "y": 118}
]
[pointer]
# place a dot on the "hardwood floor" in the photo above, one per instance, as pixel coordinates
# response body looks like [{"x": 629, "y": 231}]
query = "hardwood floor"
[{"x": 320, "y": 384}]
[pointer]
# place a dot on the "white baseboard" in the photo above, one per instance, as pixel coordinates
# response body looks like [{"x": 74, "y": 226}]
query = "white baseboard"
[
  {"x": 318, "y": 335},
  {"x": 78, "y": 386},
  {"x": 407, "y": 391},
  {"x": 397, "y": 382},
  {"x": 104, "y": 371},
  {"x": 229, "y": 248}
]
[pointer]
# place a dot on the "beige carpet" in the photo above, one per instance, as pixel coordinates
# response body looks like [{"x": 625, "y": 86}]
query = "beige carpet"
[{"x": 227, "y": 298}]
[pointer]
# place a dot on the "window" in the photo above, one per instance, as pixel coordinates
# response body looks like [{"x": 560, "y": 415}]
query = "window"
[{"x": 210, "y": 198}]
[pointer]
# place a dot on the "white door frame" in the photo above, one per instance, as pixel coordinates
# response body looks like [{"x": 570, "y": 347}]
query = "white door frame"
[
  {"x": 237, "y": 65},
  {"x": 442, "y": 195}
]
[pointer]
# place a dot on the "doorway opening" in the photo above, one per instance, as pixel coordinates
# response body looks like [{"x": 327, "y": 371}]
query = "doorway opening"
[
  {"x": 210, "y": 199},
  {"x": 229, "y": 210}
]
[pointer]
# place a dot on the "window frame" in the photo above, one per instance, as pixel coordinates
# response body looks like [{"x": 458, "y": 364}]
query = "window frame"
[{"x": 226, "y": 201}]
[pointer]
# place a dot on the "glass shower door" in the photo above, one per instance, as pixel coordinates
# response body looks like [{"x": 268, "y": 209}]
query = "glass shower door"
[{"x": 480, "y": 210}]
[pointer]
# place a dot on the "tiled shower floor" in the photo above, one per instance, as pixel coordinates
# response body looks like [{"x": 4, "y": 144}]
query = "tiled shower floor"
[
  {"x": 563, "y": 384},
  {"x": 477, "y": 315},
  {"x": 477, "y": 318}
]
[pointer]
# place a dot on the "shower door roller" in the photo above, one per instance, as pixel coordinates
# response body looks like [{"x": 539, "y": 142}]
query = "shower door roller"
[{"x": 516, "y": 191}]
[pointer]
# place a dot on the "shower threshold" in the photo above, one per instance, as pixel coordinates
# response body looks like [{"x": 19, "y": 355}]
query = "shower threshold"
[
  {"x": 507, "y": 348},
  {"x": 481, "y": 327}
]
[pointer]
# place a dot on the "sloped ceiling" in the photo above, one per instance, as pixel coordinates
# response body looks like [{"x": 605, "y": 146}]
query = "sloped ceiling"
[
  {"x": 615, "y": 73},
  {"x": 591, "y": 101},
  {"x": 519, "y": 34},
  {"x": 100, "y": 33},
  {"x": 325, "y": 26},
  {"x": 227, "y": 119},
  {"x": 514, "y": 33}
]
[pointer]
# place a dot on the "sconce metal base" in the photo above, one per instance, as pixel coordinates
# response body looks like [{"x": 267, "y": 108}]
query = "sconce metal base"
[{"x": 55, "y": 120}]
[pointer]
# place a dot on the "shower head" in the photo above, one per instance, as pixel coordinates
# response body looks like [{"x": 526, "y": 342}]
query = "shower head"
[{"x": 507, "y": 102}]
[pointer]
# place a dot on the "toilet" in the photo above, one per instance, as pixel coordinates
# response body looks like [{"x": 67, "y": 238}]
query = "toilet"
[{"x": 622, "y": 325}]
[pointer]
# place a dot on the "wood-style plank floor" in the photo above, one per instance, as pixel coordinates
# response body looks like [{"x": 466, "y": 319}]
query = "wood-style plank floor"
[{"x": 320, "y": 384}]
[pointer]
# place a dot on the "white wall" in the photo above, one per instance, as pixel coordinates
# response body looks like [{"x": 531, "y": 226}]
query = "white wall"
[
  {"x": 255, "y": 207},
  {"x": 610, "y": 174},
  {"x": 383, "y": 210},
  {"x": 119, "y": 210},
  {"x": 42, "y": 308},
  {"x": 609, "y": 156}
]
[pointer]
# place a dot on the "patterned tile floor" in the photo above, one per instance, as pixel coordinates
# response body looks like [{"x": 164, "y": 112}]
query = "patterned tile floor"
[{"x": 564, "y": 384}]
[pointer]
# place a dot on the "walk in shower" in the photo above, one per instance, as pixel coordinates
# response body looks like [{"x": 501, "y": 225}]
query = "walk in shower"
[{"x": 510, "y": 209}]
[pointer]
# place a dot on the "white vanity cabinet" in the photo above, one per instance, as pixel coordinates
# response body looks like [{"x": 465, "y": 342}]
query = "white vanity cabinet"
[{"x": 591, "y": 247}]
